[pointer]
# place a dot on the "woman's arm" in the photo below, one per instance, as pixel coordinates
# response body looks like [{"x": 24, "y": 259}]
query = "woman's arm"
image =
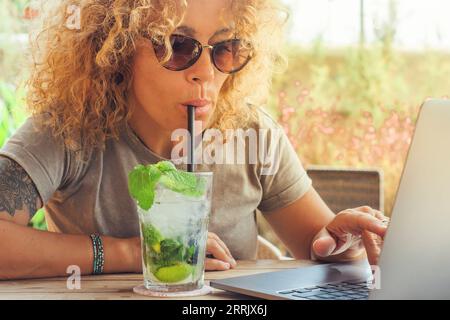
[
  {"x": 298, "y": 223},
  {"x": 309, "y": 229},
  {"x": 19, "y": 198},
  {"x": 30, "y": 253}
]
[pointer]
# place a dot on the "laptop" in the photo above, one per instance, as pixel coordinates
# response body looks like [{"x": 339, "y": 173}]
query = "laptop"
[{"x": 415, "y": 260}]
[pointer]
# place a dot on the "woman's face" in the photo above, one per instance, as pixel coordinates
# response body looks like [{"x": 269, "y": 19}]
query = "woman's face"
[{"x": 159, "y": 94}]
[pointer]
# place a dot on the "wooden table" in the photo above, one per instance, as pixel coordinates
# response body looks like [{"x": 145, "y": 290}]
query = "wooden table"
[{"x": 120, "y": 286}]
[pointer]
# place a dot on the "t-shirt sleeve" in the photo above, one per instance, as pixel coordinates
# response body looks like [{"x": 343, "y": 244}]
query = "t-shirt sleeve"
[
  {"x": 284, "y": 180},
  {"x": 40, "y": 154}
]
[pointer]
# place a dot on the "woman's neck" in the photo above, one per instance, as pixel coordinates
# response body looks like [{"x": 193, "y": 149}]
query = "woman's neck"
[{"x": 155, "y": 138}]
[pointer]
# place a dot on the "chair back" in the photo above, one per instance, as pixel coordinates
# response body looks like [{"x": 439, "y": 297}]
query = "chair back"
[{"x": 343, "y": 188}]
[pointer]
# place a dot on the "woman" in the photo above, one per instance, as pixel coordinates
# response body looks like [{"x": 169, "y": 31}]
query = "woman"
[{"x": 108, "y": 95}]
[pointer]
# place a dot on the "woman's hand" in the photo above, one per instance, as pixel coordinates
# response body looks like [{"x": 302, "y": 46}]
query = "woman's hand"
[
  {"x": 218, "y": 256},
  {"x": 349, "y": 233}
]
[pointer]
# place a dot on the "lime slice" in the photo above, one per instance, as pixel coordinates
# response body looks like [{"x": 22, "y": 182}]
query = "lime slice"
[{"x": 173, "y": 273}]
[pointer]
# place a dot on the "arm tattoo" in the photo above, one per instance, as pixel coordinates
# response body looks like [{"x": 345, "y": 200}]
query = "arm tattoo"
[{"x": 17, "y": 190}]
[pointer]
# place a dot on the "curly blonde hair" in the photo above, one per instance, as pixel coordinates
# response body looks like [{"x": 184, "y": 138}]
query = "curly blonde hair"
[{"x": 80, "y": 78}]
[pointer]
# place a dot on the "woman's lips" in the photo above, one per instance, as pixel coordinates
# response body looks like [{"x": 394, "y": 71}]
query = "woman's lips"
[{"x": 199, "y": 111}]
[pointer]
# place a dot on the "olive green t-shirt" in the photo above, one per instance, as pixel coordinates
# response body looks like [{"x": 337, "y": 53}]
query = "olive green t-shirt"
[{"x": 92, "y": 196}]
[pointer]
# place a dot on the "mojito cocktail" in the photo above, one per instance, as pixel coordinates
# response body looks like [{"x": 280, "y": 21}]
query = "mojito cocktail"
[{"x": 173, "y": 208}]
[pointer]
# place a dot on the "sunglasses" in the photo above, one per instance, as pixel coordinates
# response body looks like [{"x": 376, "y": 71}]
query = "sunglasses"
[{"x": 228, "y": 56}]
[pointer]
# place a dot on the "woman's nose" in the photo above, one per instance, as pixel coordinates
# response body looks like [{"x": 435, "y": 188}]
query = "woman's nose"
[{"x": 203, "y": 69}]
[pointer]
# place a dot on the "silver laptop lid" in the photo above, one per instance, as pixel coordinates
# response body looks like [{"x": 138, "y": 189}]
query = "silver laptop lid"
[{"x": 415, "y": 262}]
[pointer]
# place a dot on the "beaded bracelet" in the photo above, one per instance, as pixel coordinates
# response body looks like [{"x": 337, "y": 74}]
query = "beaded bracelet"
[{"x": 99, "y": 257}]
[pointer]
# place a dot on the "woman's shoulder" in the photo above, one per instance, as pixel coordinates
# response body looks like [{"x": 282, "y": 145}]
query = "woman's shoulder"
[
  {"x": 36, "y": 148},
  {"x": 38, "y": 132},
  {"x": 34, "y": 131},
  {"x": 263, "y": 119}
]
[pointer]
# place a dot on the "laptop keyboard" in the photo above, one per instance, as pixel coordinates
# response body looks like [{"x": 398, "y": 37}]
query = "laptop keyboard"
[{"x": 335, "y": 291}]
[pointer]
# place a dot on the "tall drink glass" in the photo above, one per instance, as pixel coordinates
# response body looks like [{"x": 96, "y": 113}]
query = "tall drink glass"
[{"x": 173, "y": 238}]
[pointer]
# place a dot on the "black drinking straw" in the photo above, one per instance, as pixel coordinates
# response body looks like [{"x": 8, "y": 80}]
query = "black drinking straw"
[{"x": 191, "y": 129}]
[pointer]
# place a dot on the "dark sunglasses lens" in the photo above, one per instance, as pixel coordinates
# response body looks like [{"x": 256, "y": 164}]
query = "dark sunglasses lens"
[
  {"x": 185, "y": 52},
  {"x": 231, "y": 56}
]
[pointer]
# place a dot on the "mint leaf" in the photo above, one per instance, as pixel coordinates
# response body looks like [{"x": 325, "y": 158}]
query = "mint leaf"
[
  {"x": 178, "y": 181},
  {"x": 141, "y": 185},
  {"x": 142, "y": 181},
  {"x": 151, "y": 235},
  {"x": 189, "y": 255},
  {"x": 172, "y": 251},
  {"x": 182, "y": 182},
  {"x": 165, "y": 166}
]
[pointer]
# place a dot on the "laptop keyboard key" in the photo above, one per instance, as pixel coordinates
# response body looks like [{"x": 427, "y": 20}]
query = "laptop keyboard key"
[
  {"x": 326, "y": 296},
  {"x": 331, "y": 290},
  {"x": 324, "y": 287},
  {"x": 355, "y": 296},
  {"x": 286, "y": 292},
  {"x": 337, "y": 294},
  {"x": 311, "y": 288},
  {"x": 335, "y": 285},
  {"x": 344, "y": 298},
  {"x": 302, "y": 291},
  {"x": 304, "y": 295}
]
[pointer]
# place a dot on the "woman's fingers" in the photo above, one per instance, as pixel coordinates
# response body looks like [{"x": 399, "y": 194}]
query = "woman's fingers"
[
  {"x": 373, "y": 244},
  {"x": 350, "y": 230},
  {"x": 355, "y": 221},
  {"x": 324, "y": 245},
  {"x": 219, "y": 250},
  {"x": 214, "y": 264},
  {"x": 376, "y": 213},
  {"x": 372, "y": 224},
  {"x": 214, "y": 248},
  {"x": 216, "y": 237}
]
